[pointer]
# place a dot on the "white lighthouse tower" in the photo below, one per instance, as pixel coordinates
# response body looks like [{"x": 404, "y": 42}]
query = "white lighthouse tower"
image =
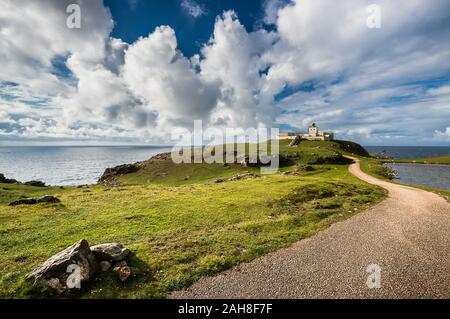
[{"x": 313, "y": 130}]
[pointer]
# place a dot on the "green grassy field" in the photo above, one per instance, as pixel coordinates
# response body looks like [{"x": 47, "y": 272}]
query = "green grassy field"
[{"x": 178, "y": 230}]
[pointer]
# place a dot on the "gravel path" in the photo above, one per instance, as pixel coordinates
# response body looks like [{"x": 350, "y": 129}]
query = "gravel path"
[{"x": 407, "y": 235}]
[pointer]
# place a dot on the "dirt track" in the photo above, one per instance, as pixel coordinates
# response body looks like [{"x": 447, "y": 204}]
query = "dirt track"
[{"x": 407, "y": 235}]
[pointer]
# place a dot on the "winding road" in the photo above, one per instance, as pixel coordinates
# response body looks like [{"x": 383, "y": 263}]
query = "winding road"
[{"x": 407, "y": 236}]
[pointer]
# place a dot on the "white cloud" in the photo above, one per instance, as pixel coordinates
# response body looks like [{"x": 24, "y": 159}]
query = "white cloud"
[
  {"x": 192, "y": 8},
  {"x": 271, "y": 8},
  {"x": 166, "y": 81},
  {"x": 366, "y": 84},
  {"x": 232, "y": 58},
  {"x": 445, "y": 135}
]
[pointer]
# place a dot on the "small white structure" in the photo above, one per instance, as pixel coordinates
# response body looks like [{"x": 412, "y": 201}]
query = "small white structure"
[{"x": 314, "y": 134}]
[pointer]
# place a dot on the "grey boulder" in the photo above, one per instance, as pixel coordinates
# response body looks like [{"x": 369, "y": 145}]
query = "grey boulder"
[
  {"x": 122, "y": 270},
  {"x": 111, "y": 252},
  {"x": 76, "y": 260}
]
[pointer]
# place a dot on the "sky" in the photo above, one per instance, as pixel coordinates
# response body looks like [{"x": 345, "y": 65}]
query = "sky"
[{"x": 137, "y": 71}]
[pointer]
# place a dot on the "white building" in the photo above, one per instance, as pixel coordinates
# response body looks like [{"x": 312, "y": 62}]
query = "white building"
[{"x": 314, "y": 134}]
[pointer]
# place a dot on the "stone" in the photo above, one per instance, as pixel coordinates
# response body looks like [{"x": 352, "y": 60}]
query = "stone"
[
  {"x": 55, "y": 272},
  {"x": 123, "y": 270},
  {"x": 220, "y": 180},
  {"x": 296, "y": 141},
  {"x": 110, "y": 175},
  {"x": 110, "y": 252},
  {"x": 35, "y": 183},
  {"x": 34, "y": 201},
  {"x": 248, "y": 161},
  {"x": 104, "y": 266},
  {"x": 5, "y": 180},
  {"x": 306, "y": 168},
  {"x": 290, "y": 174}
]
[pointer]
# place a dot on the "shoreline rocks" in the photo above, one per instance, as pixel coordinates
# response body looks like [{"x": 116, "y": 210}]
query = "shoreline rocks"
[
  {"x": 35, "y": 183},
  {"x": 5, "y": 180},
  {"x": 110, "y": 175}
]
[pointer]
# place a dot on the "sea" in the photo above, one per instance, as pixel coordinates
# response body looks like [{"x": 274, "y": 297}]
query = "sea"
[
  {"x": 69, "y": 165},
  {"x": 409, "y": 152},
  {"x": 81, "y": 165}
]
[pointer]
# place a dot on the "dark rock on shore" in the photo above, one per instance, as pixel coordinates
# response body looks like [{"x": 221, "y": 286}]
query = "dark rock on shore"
[
  {"x": 34, "y": 201},
  {"x": 35, "y": 183},
  {"x": 110, "y": 175},
  {"x": 55, "y": 272},
  {"x": 5, "y": 180}
]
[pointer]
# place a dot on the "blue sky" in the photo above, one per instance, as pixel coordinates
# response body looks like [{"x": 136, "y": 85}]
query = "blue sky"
[
  {"x": 137, "y": 70},
  {"x": 140, "y": 17}
]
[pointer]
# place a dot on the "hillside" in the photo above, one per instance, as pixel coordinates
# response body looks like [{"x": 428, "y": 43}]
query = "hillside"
[
  {"x": 180, "y": 229},
  {"x": 161, "y": 169}
]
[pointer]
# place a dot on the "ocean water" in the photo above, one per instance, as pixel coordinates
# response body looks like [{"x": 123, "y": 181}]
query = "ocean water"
[
  {"x": 409, "y": 152},
  {"x": 69, "y": 165}
]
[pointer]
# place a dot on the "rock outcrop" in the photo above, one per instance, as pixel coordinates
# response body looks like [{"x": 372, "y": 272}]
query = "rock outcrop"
[
  {"x": 78, "y": 264},
  {"x": 305, "y": 168},
  {"x": 104, "y": 266},
  {"x": 112, "y": 252},
  {"x": 5, "y": 180},
  {"x": 110, "y": 175},
  {"x": 296, "y": 141},
  {"x": 35, "y": 183},
  {"x": 34, "y": 201},
  {"x": 236, "y": 178},
  {"x": 77, "y": 260}
]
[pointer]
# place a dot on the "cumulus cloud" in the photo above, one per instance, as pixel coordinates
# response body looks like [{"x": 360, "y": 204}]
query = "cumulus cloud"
[
  {"x": 271, "y": 8},
  {"x": 319, "y": 63},
  {"x": 167, "y": 81},
  {"x": 445, "y": 135},
  {"x": 192, "y": 8}
]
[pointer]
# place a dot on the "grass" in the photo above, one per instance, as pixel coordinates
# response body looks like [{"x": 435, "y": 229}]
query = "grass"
[{"x": 178, "y": 230}]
